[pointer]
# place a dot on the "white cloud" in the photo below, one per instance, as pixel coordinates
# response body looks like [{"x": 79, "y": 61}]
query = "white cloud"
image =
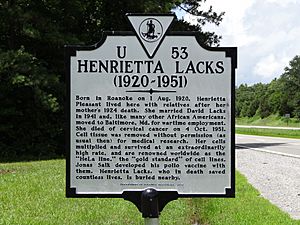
[
  {"x": 282, "y": 3},
  {"x": 232, "y": 27},
  {"x": 269, "y": 66},
  {"x": 266, "y": 32}
]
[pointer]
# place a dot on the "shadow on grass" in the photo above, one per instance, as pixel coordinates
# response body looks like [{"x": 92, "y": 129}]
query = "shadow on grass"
[{"x": 28, "y": 158}]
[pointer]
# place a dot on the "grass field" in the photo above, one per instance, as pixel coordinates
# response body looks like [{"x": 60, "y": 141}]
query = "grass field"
[
  {"x": 269, "y": 132},
  {"x": 33, "y": 193},
  {"x": 273, "y": 121}
]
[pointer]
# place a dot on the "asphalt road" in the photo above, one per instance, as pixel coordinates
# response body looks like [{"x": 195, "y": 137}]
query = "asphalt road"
[
  {"x": 283, "y": 146},
  {"x": 268, "y": 127},
  {"x": 272, "y": 166}
]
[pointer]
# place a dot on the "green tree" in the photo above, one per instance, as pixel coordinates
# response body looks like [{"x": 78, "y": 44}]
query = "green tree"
[
  {"x": 32, "y": 38},
  {"x": 275, "y": 96},
  {"x": 281, "y": 96},
  {"x": 28, "y": 107},
  {"x": 261, "y": 97},
  {"x": 291, "y": 88},
  {"x": 194, "y": 7},
  {"x": 247, "y": 102}
]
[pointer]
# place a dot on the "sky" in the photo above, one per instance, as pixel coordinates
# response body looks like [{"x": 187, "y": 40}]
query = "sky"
[{"x": 266, "y": 32}]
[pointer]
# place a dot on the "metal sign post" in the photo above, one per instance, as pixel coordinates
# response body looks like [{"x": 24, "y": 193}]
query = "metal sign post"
[
  {"x": 150, "y": 208},
  {"x": 150, "y": 116},
  {"x": 151, "y": 221}
]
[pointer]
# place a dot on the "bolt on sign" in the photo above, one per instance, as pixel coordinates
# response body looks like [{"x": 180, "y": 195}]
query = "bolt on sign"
[{"x": 150, "y": 108}]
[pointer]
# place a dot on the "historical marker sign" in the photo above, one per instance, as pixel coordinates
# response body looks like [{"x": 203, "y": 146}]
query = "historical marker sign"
[{"x": 150, "y": 109}]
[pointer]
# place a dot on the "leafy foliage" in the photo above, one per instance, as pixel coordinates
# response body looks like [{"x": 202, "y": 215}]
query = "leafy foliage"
[
  {"x": 28, "y": 106},
  {"x": 194, "y": 8},
  {"x": 32, "y": 85},
  {"x": 291, "y": 86},
  {"x": 281, "y": 96}
]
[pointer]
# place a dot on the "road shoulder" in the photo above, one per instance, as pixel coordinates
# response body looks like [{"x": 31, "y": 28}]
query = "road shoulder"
[{"x": 276, "y": 177}]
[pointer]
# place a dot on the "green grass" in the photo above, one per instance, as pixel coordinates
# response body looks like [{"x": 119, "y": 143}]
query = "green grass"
[
  {"x": 269, "y": 132},
  {"x": 247, "y": 208},
  {"x": 272, "y": 120},
  {"x": 34, "y": 193}
]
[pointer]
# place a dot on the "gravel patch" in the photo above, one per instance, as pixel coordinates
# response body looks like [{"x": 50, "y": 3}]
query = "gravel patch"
[{"x": 276, "y": 177}]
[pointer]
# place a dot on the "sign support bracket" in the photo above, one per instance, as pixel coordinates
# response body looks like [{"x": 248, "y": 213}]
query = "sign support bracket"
[{"x": 150, "y": 206}]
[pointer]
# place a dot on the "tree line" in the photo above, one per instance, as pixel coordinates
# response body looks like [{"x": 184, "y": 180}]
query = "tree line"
[
  {"x": 281, "y": 96},
  {"x": 32, "y": 77}
]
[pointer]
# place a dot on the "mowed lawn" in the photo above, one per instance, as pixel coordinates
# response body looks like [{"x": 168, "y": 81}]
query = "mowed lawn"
[
  {"x": 269, "y": 132},
  {"x": 34, "y": 193}
]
